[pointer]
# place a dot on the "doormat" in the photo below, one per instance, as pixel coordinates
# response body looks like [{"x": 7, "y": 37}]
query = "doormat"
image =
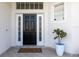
[{"x": 30, "y": 50}]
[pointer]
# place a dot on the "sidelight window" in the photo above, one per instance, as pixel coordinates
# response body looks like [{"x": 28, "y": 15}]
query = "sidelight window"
[
  {"x": 40, "y": 29},
  {"x": 19, "y": 28}
]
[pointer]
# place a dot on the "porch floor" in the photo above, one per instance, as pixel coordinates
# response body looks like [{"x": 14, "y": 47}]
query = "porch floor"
[{"x": 46, "y": 52}]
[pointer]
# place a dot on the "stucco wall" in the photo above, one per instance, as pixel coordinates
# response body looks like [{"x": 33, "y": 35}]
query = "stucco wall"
[
  {"x": 72, "y": 17},
  {"x": 5, "y": 33}
]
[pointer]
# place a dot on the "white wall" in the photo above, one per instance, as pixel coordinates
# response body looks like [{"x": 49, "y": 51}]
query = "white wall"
[
  {"x": 72, "y": 17},
  {"x": 49, "y": 42},
  {"x": 4, "y": 27}
]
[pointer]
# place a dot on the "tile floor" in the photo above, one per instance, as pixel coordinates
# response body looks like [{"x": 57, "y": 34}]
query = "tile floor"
[{"x": 46, "y": 52}]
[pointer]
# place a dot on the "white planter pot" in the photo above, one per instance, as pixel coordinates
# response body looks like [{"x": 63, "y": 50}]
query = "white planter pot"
[{"x": 60, "y": 49}]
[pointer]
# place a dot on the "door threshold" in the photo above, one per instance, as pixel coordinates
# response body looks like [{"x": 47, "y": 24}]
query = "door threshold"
[{"x": 29, "y": 46}]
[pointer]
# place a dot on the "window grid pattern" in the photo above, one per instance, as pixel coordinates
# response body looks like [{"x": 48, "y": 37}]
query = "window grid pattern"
[{"x": 29, "y": 5}]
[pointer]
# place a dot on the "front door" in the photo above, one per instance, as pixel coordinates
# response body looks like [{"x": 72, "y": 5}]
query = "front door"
[{"x": 29, "y": 29}]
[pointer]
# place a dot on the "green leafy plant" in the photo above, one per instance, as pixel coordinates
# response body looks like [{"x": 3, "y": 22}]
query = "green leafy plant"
[{"x": 60, "y": 34}]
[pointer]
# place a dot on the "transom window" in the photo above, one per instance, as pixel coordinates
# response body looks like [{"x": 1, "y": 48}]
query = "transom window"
[{"x": 29, "y": 5}]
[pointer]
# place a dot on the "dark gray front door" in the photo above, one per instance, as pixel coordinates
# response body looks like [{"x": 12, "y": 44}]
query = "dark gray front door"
[{"x": 29, "y": 29}]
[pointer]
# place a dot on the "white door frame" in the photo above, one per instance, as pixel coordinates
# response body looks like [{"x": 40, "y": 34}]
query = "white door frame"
[
  {"x": 19, "y": 43},
  {"x": 39, "y": 43}
]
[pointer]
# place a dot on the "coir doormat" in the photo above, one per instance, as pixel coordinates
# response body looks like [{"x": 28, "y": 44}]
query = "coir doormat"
[{"x": 30, "y": 50}]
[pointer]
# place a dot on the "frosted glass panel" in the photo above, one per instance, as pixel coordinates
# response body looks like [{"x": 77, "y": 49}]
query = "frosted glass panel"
[
  {"x": 40, "y": 29},
  {"x": 19, "y": 28},
  {"x": 59, "y": 12}
]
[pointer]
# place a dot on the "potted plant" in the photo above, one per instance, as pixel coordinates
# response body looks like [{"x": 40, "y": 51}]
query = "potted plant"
[{"x": 60, "y": 34}]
